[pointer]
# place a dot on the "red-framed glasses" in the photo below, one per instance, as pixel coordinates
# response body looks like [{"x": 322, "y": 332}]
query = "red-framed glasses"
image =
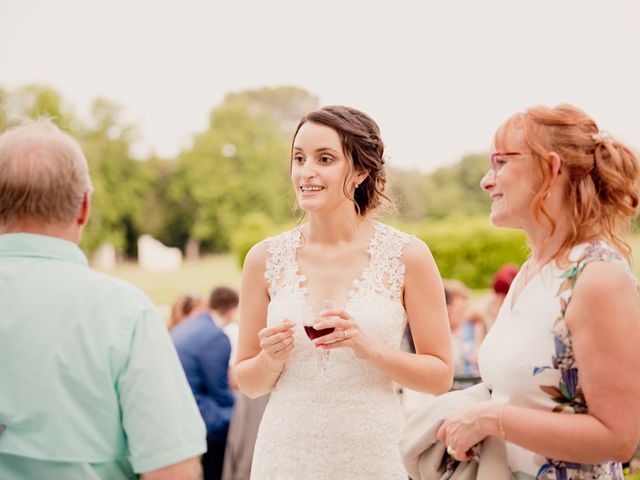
[{"x": 495, "y": 166}]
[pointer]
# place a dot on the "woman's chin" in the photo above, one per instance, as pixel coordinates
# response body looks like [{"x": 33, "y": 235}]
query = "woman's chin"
[
  {"x": 503, "y": 221},
  {"x": 497, "y": 219},
  {"x": 308, "y": 205}
]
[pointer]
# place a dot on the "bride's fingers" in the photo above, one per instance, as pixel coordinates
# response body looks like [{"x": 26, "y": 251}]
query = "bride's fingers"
[
  {"x": 338, "y": 338},
  {"x": 284, "y": 350},
  {"x": 334, "y": 322},
  {"x": 273, "y": 348},
  {"x": 284, "y": 328},
  {"x": 343, "y": 314}
]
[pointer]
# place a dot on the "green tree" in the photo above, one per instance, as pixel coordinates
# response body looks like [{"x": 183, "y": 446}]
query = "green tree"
[
  {"x": 237, "y": 166},
  {"x": 33, "y": 101},
  {"x": 456, "y": 189},
  {"x": 286, "y": 104},
  {"x": 407, "y": 189},
  {"x": 4, "y": 120},
  {"x": 120, "y": 182}
]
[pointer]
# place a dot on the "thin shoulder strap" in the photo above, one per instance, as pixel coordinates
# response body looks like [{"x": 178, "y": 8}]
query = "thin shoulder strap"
[
  {"x": 280, "y": 267},
  {"x": 386, "y": 251}
]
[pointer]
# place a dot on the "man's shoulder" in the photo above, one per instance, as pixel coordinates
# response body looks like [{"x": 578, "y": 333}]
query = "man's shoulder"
[
  {"x": 200, "y": 328},
  {"x": 114, "y": 290}
]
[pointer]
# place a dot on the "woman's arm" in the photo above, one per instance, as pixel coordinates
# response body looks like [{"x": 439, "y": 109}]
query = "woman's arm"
[
  {"x": 430, "y": 368},
  {"x": 261, "y": 351},
  {"x": 604, "y": 320}
]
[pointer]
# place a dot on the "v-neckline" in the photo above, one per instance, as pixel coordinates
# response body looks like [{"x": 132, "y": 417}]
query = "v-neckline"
[
  {"x": 515, "y": 301},
  {"x": 356, "y": 282}
]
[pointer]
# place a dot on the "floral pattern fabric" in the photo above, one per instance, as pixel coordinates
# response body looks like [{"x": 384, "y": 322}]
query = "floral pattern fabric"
[
  {"x": 539, "y": 312},
  {"x": 568, "y": 394}
]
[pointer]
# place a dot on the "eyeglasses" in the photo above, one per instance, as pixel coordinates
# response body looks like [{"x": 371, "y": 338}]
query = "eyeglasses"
[{"x": 495, "y": 162}]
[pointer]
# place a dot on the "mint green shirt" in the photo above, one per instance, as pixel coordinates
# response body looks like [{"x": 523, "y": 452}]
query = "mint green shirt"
[{"x": 90, "y": 383}]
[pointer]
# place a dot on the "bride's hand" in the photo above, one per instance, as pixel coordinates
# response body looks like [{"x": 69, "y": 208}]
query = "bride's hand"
[
  {"x": 277, "y": 342},
  {"x": 347, "y": 334}
]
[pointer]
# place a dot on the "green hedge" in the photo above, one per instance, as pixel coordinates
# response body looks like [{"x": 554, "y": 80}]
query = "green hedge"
[
  {"x": 470, "y": 249},
  {"x": 251, "y": 229}
]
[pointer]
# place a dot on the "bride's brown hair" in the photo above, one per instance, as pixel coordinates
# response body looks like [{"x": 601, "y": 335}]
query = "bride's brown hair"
[
  {"x": 361, "y": 143},
  {"x": 601, "y": 191}
]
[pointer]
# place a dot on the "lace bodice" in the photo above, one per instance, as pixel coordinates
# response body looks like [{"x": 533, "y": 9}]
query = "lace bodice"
[{"x": 345, "y": 422}]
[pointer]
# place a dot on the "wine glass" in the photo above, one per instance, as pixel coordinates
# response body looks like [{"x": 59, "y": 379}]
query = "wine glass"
[{"x": 322, "y": 356}]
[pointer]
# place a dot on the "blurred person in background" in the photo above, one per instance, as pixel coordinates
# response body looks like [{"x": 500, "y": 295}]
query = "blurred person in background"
[
  {"x": 462, "y": 330},
  {"x": 204, "y": 350},
  {"x": 91, "y": 387},
  {"x": 485, "y": 312},
  {"x": 186, "y": 305},
  {"x": 223, "y": 305},
  {"x": 457, "y": 297},
  {"x": 562, "y": 358}
]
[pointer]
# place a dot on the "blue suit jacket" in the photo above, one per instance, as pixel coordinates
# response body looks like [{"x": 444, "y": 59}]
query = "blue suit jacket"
[{"x": 204, "y": 351}]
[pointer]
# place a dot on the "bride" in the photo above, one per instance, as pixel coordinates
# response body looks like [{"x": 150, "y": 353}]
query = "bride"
[{"x": 341, "y": 420}]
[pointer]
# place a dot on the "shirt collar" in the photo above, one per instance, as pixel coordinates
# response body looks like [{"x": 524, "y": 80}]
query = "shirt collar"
[
  {"x": 215, "y": 321},
  {"x": 41, "y": 246}
]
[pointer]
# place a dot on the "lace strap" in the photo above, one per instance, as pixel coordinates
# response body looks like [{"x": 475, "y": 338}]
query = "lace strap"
[
  {"x": 280, "y": 265},
  {"x": 387, "y": 270}
]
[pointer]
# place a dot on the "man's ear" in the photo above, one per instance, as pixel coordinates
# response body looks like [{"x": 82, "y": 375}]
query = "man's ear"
[{"x": 85, "y": 210}]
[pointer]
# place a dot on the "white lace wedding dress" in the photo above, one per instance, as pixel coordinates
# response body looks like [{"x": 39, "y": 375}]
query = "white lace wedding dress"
[{"x": 345, "y": 422}]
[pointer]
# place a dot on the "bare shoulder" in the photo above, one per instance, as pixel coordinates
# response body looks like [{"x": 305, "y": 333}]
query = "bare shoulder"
[
  {"x": 601, "y": 279},
  {"x": 604, "y": 289},
  {"x": 254, "y": 267},
  {"x": 417, "y": 254},
  {"x": 257, "y": 256}
]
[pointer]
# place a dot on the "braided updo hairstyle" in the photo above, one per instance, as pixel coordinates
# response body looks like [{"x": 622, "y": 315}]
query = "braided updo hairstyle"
[
  {"x": 361, "y": 143},
  {"x": 602, "y": 188}
]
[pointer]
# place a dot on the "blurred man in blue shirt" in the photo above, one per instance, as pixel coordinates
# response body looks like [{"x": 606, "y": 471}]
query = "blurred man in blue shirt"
[{"x": 204, "y": 350}]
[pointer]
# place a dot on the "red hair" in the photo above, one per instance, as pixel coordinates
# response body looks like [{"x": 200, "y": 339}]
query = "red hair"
[
  {"x": 503, "y": 278},
  {"x": 602, "y": 188}
]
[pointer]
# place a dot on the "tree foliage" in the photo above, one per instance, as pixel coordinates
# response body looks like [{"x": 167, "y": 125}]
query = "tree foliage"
[
  {"x": 231, "y": 187},
  {"x": 120, "y": 182},
  {"x": 238, "y": 166}
]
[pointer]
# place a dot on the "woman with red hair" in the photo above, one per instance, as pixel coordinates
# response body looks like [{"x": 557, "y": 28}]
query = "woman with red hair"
[{"x": 562, "y": 358}]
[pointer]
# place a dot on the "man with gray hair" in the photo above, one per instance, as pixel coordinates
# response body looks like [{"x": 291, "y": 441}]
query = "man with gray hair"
[{"x": 90, "y": 383}]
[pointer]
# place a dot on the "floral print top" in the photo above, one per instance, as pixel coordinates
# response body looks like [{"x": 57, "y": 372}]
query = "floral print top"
[{"x": 527, "y": 359}]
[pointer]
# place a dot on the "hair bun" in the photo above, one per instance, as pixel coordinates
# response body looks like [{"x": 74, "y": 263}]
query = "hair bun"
[{"x": 602, "y": 137}]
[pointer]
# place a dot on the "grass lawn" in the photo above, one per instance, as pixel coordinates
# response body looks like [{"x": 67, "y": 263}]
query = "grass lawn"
[{"x": 198, "y": 276}]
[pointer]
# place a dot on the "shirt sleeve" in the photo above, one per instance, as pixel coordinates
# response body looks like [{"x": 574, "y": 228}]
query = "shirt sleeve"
[
  {"x": 159, "y": 414},
  {"x": 216, "y": 404}
]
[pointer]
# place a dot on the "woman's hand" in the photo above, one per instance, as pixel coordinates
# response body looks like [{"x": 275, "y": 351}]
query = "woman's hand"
[
  {"x": 347, "y": 334},
  {"x": 277, "y": 344},
  {"x": 467, "y": 427}
]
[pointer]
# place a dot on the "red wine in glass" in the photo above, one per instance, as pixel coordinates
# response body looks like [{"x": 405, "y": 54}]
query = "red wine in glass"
[
  {"x": 312, "y": 333},
  {"x": 322, "y": 356}
]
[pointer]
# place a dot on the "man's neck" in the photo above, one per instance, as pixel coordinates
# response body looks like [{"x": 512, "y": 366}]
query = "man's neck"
[
  {"x": 70, "y": 232},
  {"x": 219, "y": 319}
]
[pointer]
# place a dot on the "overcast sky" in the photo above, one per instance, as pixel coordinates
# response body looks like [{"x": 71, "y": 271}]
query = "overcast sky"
[{"x": 438, "y": 77}]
